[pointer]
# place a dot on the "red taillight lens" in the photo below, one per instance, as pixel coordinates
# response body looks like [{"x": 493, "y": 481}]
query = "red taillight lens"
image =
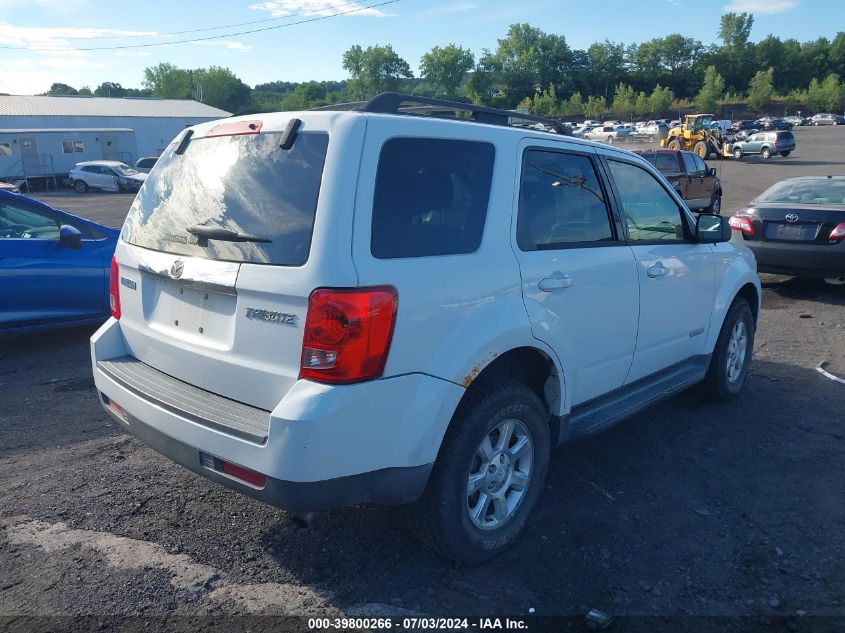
[
  {"x": 114, "y": 289},
  {"x": 238, "y": 472},
  {"x": 742, "y": 223},
  {"x": 347, "y": 334},
  {"x": 838, "y": 232}
]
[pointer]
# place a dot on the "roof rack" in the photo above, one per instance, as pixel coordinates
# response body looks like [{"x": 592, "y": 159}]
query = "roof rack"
[{"x": 398, "y": 103}]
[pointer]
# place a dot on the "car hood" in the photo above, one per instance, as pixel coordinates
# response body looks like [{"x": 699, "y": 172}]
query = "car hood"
[{"x": 140, "y": 176}]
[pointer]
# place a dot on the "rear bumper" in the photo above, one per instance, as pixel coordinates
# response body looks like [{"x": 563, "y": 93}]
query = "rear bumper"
[
  {"x": 325, "y": 446},
  {"x": 779, "y": 258}
]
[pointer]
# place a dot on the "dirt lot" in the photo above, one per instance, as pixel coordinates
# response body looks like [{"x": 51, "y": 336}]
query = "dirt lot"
[{"x": 690, "y": 510}]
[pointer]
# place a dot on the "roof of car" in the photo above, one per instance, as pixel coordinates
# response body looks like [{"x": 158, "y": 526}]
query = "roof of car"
[{"x": 108, "y": 163}]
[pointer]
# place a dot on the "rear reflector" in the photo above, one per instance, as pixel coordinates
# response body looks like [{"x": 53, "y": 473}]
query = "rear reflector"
[
  {"x": 248, "y": 476},
  {"x": 742, "y": 223},
  {"x": 838, "y": 232},
  {"x": 114, "y": 289}
]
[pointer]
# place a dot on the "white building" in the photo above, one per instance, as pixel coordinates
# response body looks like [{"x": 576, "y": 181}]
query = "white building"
[{"x": 43, "y": 136}]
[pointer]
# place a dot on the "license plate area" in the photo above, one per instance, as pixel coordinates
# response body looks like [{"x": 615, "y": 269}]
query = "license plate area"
[
  {"x": 777, "y": 231},
  {"x": 198, "y": 314}
]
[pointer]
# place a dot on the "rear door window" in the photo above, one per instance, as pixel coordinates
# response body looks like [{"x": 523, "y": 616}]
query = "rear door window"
[
  {"x": 689, "y": 163},
  {"x": 431, "y": 197},
  {"x": 246, "y": 184}
]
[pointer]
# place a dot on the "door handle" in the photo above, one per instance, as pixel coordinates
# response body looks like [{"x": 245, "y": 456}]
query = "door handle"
[
  {"x": 658, "y": 270},
  {"x": 558, "y": 282}
]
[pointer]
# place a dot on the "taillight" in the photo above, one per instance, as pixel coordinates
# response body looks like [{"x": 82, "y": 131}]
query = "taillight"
[
  {"x": 347, "y": 334},
  {"x": 114, "y": 289},
  {"x": 838, "y": 232},
  {"x": 742, "y": 223}
]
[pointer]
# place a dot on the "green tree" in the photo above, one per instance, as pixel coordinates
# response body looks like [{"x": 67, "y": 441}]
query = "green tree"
[
  {"x": 546, "y": 103},
  {"x": 447, "y": 67},
  {"x": 62, "y": 89},
  {"x": 109, "y": 89},
  {"x": 711, "y": 91},
  {"x": 735, "y": 29},
  {"x": 85, "y": 90},
  {"x": 221, "y": 88},
  {"x": 825, "y": 95},
  {"x": 623, "y": 100},
  {"x": 660, "y": 100},
  {"x": 595, "y": 107},
  {"x": 167, "y": 81},
  {"x": 574, "y": 105},
  {"x": 761, "y": 90},
  {"x": 607, "y": 65},
  {"x": 375, "y": 69},
  {"x": 642, "y": 106},
  {"x": 353, "y": 63}
]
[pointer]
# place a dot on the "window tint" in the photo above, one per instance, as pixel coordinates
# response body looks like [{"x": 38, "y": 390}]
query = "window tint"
[
  {"x": 91, "y": 169},
  {"x": 147, "y": 162},
  {"x": 430, "y": 197},
  {"x": 246, "y": 184},
  {"x": 18, "y": 221},
  {"x": 689, "y": 163},
  {"x": 664, "y": 161},
  {"x": 560, "y": 202},
  {"x": 700, "y": 165},
  {"x": 650, "y": 212}
]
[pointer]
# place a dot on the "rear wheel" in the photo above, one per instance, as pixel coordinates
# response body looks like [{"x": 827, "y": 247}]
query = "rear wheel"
[
  {"x": 488, "y": 475},
  {"x": 766, "y": 153},
  {"x": 80, "y": 185},
  {"x": 738, "y": 153},
  {"x": 609, "y": 139},
  {"x": 731, "y": 358},
  {"x": 674, "y": 145},
  {"x": 786, "y": 153}
]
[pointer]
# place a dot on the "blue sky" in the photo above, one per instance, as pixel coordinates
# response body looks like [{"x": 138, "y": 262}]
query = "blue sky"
[{"x": 313, "y": 50}]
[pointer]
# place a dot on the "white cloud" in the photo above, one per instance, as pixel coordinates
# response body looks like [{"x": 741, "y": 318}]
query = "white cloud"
[
  {"x": 57, "y": 39},
  {"x": 282, "y": 8},
  {"x": 132, "y": 53},
  {"x": 760, "y": 6},
  {"x": 231, "y": 45}
]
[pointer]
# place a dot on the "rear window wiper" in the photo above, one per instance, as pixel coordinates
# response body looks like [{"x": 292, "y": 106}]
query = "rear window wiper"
[{"x": 203, "y": 233}]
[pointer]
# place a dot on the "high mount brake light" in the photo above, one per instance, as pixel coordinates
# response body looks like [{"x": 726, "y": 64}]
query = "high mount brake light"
[{"x": 347, "y": 334}]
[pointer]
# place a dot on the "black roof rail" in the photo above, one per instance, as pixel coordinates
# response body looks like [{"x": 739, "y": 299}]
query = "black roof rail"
[{"x": 398, "y": 103}]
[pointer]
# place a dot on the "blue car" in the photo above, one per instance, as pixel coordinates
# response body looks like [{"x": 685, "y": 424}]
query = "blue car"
[{"x": 54, "y": 267}]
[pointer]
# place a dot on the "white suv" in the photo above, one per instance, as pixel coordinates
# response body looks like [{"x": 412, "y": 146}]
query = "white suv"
[{"x": 327, "y": 308}]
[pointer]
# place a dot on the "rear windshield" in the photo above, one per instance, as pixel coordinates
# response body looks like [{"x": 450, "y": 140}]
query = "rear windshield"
[
  {"x": 785, "y": 136},
  {"x": 245, "y": 184},
  {"x": 662, "y": 161},
  {"x": 810, "y": 191}
]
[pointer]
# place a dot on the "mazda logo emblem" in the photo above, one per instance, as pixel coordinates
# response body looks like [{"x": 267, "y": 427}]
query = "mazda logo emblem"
[
  {"x": 791, "y": 217},
  {"x": 177, "y": 269}
]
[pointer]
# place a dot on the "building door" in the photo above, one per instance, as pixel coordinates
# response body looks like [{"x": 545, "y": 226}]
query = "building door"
[
  {"x": 29, "y": 157},
  {"x": 111, "y": 151}
]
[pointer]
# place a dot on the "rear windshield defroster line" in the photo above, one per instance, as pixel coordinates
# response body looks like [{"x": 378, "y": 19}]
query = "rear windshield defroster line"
[{"x": 244, "y": 184}]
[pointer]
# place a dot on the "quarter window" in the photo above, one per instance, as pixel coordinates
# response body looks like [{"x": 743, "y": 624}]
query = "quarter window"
[
  {"x": 431, "y": 197},
  {"x": 560, "y": 202},
  {"x": 650, "y": 212}
]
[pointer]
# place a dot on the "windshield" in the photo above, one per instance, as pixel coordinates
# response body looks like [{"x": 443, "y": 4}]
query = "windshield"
[
  {"x": 246, "y": 184},
  {"x": 810, "y": 191}
]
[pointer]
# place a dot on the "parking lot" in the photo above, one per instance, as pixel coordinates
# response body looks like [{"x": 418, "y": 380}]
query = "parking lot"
[{"x": 688, "y": 509}]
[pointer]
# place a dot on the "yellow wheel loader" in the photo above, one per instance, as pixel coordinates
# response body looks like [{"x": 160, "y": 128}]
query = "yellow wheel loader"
[{"x": 696, "y": 135}]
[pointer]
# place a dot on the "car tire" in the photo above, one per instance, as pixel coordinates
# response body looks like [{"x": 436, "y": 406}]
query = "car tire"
[
  {"x": 766, "y": 153},
  {"x": 731, "y": 359},
  {"x": 674, "y": 145},
  {"x": 441, "y": 518},
  {"x": 609, "y": 139},
  {"x": 80, "y": 185},
  {"x": 701, "y": 149},
  {"x": 716, "y": 204},
  {"x": 737, "y": 153},
  {"x": 786, "y": 153}
]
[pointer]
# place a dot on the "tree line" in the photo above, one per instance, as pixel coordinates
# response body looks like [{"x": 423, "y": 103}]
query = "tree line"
[{"x": 540, "y": 72}]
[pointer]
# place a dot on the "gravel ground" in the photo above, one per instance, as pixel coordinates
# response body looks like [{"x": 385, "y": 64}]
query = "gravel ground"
[{"x": 690, "y": 509}]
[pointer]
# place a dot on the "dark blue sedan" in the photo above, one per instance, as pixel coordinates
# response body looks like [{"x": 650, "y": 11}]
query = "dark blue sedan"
[{"x": 54, "y": 266}]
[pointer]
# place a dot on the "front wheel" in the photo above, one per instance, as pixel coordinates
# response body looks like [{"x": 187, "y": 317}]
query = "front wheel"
[
  {"x": 731, "y": 358},
  {"x": 488, "y": 475},
  {"x": 716, "y": 204},
  {"x": 786, "y": 153},
  {"x": 737, "y": 153},
  {"x": 674, "y": 145},
  {"x": 80, "y": 185},
  {"x": 766, "y": 153},
  {"x": 610, "y": 139}
]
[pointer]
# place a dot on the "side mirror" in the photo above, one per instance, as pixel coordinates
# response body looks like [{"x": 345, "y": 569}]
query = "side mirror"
[
  {"x": 70, "y": 236},
  {"x": 711, "y": 172},
  {"x": 711, "y": 229}
]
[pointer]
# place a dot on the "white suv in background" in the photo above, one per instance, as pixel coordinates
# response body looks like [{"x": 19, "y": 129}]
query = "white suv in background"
[
  {"x": 326, "y": 308},
  {"x": 106, "y": 175}
]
